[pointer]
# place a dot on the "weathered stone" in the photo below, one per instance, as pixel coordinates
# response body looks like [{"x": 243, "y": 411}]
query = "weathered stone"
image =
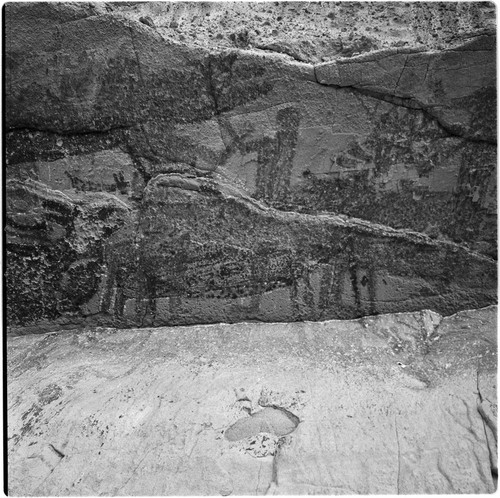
[
  {"x": 55, "y": 248},
  {"x": 457, "y": 86},
  {"x": 207, "y": 253},
  {"x": 317, "y": 30},
  {"x": 386, "y": 404},
  {"x": 100, "y": 73},
  {"x": 176, "y": 139}
]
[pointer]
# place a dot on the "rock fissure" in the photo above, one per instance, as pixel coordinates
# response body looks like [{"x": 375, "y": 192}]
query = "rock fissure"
[
  {"x": 273, "y": 484},
  {"x": 59, "y": 453},
  {"x": 398, "y": 476},
  {"x": 402, "y": 72},
  {"x": 211, "y": 88},
  {"x": 284, "y": 51},
  {"x": 487, "y": 423},
  {"x": 71, "y": 133},
  {"x": 491, "y": 451}
]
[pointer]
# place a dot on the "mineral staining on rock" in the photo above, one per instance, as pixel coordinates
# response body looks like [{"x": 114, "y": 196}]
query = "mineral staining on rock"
[
  {"x": 55, "y": 253},
  {"x": 206, "y": 253},
  {"x": 154, "y": 181}
]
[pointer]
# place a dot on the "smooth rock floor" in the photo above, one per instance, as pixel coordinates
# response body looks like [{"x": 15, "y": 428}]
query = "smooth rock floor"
[{"x": 388, "y": 404}]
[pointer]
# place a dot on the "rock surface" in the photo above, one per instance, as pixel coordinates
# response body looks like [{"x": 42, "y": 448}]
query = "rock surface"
[
  {"x": 443, "y": 83},
  {"x": 315, "y": 31},
  {"x": 152, "y": 180},
  {"x": 391, "y": 404}
]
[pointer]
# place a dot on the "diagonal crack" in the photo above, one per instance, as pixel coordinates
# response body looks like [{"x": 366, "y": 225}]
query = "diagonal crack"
[
  {"x": 480, "y": 396},
  {"x": 401, "y": 74},
  {"x": 143, "y": 84},
  {"x": 398, "y": 482},
  {"x": 486, "y": 418},
  {"x": 408, "y": 102},
  {"x": 59, "y": 453},
  {"x": 274, "y": 476},
  {"x": 211, "y": 87},
  {"x": 132, "y": 474},
  {"x": 487, "y": 422},
  {"x": 48, "y": 475}
]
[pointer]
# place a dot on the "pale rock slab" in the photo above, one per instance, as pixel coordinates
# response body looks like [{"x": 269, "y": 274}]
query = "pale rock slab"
[{"x": 384, "y": 406}]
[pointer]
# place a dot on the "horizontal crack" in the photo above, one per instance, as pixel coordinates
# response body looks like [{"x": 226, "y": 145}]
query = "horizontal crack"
[
  {"x": 53, "y": 131},
  {"x": 282, "y": 52}
]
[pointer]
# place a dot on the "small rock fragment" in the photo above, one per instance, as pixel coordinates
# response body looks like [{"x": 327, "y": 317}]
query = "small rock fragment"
[{"x": 147, "y": 21}]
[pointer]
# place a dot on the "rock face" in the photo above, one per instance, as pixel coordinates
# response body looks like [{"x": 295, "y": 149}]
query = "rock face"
[
  {"x": 391, "y": 404},
  {"x": 151, "y": 180},
  {"x": 315, "y": 31},
  {"x": 442, "y": 83}
]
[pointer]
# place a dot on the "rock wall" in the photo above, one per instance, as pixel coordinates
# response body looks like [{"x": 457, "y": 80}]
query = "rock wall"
[{"x": 154, "y": 177}]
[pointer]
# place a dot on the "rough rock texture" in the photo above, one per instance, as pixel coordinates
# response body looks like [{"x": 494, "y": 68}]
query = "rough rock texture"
[
  {"x": 151, "y": 180},
  {"x": 402, "y": 403},
  {"x": 316, "y": 31},
  {"x": 444, "y": 83}
]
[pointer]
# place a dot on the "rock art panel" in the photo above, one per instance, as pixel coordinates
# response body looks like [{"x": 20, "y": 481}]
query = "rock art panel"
[
  {"x": 155, "y": 148},
  {"x": 357, "y": 155},
  {"x": 55, "y": 251},
  {"x": 205, "y": 253}
]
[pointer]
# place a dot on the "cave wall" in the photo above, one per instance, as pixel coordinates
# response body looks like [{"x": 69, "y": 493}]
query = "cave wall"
[{"x": 153, "y": 179}]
